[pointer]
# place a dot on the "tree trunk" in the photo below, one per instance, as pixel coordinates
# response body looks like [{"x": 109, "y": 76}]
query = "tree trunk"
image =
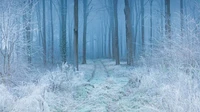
[
  {"x": 63, "y": 30},
  {"x": 76, "y": 33},
  {"x": 142, "y": 21},
  {"x": 27, "y": 26},
  {"x": 52, "y": 33},
  {"x": 85, "y": 14},
  {"x": 162, "y": 22},
  {"x": 151, "y": 24},
  {"x": 167, "y": 19},
  {"x": 181, "y": 16},
  {"x": 129, "y": 34},
  {"x": 116, "y": 43},
  {"x": 44, "y": 34}
]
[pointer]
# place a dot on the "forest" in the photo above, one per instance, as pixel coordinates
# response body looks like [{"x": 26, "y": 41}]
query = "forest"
[{"x": 99, "y": 55}]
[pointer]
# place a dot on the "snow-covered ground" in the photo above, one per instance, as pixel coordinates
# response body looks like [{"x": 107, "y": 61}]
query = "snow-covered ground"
[{"x": 101, "y": 86}]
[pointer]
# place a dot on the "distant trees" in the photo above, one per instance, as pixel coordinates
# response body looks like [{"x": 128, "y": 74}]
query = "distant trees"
[{"x": 50, "y": 27}]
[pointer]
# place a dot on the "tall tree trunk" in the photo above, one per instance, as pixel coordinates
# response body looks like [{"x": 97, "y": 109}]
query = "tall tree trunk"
[
  {"x": 129, "y": 33},
  {"x": 116, "y": 42},
  {"x": 27, "y": 26},
  {"x": 142, "y": 21},
  {"x": 85, "y": 14},
  {"x": 52, "y": 32},
  {"x": 162, "y": 22},
  {"x": 63, "y": 45},
  {"x": 76, "y": 33},
  {"x": 111, "y": 48},
  {"x": 181, "y": 16},
  {"x": 44, "y": 34},
  {"x": 151, "y": 23},
  {"x": 167, "y": 19}
]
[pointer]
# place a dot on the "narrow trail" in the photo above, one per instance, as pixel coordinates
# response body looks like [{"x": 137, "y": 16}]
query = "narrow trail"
[
  {"x": 100, "y": 72},
  {"x": 93, "y": 72}
]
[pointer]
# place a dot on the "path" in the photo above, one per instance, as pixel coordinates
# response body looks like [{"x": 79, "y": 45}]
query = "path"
[{"x": 99, "y": 73}]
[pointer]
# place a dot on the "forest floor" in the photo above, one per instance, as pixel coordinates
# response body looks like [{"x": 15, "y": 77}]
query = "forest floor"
[
  {"x": 100, "y": 70},
  {"x": 102, "y": 86}
]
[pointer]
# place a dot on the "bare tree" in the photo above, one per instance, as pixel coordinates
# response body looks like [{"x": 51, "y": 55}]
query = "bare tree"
[
  {"x": 86, "y": 11},
  {"x": 44, "y": 33},
  {"x": 27, "y": 27},
  {"x": 151, "y": 20},
  {"x": 76, "y": 33},
  {"x": 12, "y": 30},
  {"x": 52, "y": 32},
  {"x": 142, "y": 21},
  {"x": 167, "y": 19},
  {"x": 181, "y": 16},
  {"x": 128, "y": 33},
  {"x": 116, "y": 42},
  {"x": 63, "y": 42}
]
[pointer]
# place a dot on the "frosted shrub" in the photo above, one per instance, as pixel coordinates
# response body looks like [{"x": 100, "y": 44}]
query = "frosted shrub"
[
  {"x": 181, "y": 51},
  {"x": 34, "y": 102},
  {"x": 64, "y": 88},
  {"x": 64, "y": 79},
  {"x": 6, "y": 99},
  {"x": 172, "y": 68}
]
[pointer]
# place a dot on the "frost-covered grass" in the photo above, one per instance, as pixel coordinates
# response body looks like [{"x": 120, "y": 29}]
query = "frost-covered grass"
[{"x": 146, "y": 89}]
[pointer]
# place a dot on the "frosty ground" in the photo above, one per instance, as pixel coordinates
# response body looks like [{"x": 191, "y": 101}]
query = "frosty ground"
[{"x": 101, "y": 86}]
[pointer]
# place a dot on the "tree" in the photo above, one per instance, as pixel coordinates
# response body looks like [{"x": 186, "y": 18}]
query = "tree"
[
  {"x": 85, "y": 16},
  {"x": 128, "y": 33},
  {"x": 76, "y": 33},
  {"x": 27, "y": 27},
  {"x": 44, "y": 33},
  {"x": 181, "y": 16},
  {"x": 116, "y": 43},
  {"x": 167, "y": 19},
  {"x": 12, "y": 30},
  {"x": 142, "y": 21},
  {"x": 151, "y": 20},
  {"x": 52, "y": 32},
  {"x": 109, "y": 9},
  {"x": 63, "y": 39},
  {"x": 161, "y": 18}
]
